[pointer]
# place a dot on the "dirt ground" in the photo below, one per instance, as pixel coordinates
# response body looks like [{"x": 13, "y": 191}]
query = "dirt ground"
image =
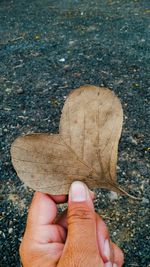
[{"x": 49, "y": 48}]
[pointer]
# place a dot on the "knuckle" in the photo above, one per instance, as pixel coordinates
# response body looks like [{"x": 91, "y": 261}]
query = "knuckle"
[{"x": 79, "y": 214}]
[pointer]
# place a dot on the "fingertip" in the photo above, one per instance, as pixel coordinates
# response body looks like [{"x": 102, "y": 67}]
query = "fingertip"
[
  {"x": 37, "y": 195},
  {"x": 80, "y": 193},
  {"x": 59, "y": 198},
  {"x": 118, "y": 255}
]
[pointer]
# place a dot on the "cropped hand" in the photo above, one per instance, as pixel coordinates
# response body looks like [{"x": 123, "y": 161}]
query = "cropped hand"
[{"x": 78, "y": 238}]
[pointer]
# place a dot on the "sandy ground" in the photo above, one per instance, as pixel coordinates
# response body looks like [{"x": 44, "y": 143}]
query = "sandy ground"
[{"x": 49, "y": 48}]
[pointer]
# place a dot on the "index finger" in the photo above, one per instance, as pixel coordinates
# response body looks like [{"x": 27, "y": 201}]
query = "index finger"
[
  {"x": 58, "y": 199},
  {"x": 43, "y": 209}
]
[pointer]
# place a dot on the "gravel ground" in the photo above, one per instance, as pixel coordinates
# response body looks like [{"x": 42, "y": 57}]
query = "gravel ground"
[{"x": 49, "y": 48}]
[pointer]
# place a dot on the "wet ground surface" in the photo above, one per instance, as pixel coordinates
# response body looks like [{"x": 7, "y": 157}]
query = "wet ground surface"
[{"x": 49, "y": 48}]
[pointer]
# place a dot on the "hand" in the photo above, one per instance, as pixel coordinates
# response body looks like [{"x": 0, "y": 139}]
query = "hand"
[{"x": 79, "y": 238}]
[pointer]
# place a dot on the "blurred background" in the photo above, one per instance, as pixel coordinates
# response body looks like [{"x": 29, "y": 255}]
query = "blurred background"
[{"x": 49, "y": 48}]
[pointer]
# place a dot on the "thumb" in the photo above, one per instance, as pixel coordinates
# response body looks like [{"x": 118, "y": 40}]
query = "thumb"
[
  {"x": 81, "y": 240},
  {"x": 81, "y": 215}
]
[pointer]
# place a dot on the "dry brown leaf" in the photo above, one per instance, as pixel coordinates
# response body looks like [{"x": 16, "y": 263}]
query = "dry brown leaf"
[{"x": 85, "y": 148}]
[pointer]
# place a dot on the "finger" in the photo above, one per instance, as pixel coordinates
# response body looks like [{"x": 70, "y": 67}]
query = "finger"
[
  {"x": 102, "y": 235},
  {"x": 45, "y": 204},
  {"x": 81, "y": 241},
  {"x": 92, "y": 194},
  {"x": 45, "y": 234},
  {"x": 33, "y": 254},
  {"x": 61, "y": 219},
  {"x": 42, "y": 211},
  {"x": 118, "y": 255},
  {"x": 104, "y": 244},
  {"x": 64, "y": 198},
  {"x": 59, "y": 198}
]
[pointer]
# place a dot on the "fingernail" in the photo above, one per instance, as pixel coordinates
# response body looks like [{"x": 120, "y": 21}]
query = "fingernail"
[
  {"x": 115, "y": 265},
  {"x": 107, "y": 249},
  {"x": 78, "y": 192},
  {"x": 108, "y": 264}
]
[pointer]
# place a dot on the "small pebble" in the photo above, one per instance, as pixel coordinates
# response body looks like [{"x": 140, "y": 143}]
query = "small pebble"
[
  {"x": 20, "y": 91},
  {"x": 62, "y": 60},
  {"x": 113, "y": 196},
  {"x": 132, "y": 140},
  {"x": 8, "y": 90},
  {"x": 10, "y": 230},
  {"x": 145, "y": 200}
]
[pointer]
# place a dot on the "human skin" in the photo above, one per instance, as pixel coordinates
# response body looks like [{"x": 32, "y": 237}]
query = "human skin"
[{"x": 77, "y": 238}]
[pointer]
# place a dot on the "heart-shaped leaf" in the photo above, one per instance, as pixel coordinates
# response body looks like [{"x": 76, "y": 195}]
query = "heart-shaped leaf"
[{"x": 85, "y": 148}]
